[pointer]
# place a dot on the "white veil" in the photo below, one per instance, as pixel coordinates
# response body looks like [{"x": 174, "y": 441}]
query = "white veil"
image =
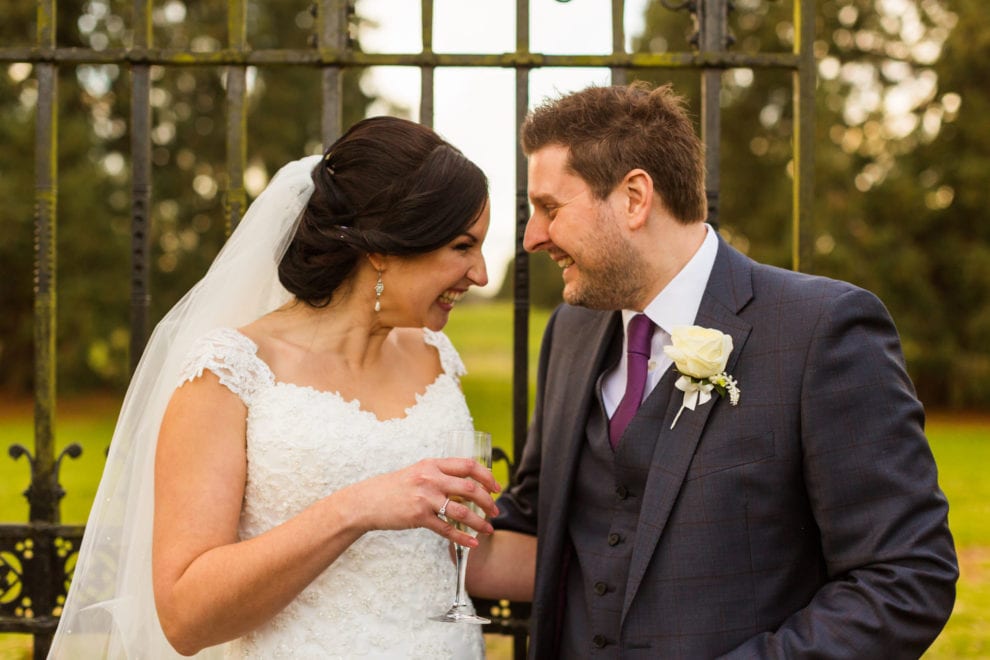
[{"x": 110, "y": 609}]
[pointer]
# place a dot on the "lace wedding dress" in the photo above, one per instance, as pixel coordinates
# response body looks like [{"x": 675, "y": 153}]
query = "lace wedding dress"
[{"x": 303, "y": 444}]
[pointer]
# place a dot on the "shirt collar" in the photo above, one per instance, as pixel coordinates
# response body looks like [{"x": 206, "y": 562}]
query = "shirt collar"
[{"x": 677, "y": 304}]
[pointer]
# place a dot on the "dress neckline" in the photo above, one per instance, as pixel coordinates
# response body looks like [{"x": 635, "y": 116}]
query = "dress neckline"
[{"x": 335, "y": 394}]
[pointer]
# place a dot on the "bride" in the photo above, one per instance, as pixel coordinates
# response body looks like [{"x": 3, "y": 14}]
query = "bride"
[{"x": 273, "y": 484}]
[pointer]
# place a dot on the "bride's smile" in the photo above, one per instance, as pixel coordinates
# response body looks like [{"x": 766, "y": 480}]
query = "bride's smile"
[{"x": 420, "y": 291}]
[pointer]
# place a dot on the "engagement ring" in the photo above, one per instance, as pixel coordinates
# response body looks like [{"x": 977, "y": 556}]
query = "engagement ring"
[{"x": 442, "y": 513}]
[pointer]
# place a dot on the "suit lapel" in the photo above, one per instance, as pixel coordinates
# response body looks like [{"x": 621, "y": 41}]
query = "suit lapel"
[{"x": 728, "y": 290}]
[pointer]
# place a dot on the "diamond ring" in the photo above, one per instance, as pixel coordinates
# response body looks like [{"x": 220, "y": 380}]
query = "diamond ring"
[{"x": 442, "y": 513}]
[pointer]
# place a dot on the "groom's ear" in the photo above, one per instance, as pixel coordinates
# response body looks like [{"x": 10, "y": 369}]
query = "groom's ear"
[{"x": 636, "y": 198}]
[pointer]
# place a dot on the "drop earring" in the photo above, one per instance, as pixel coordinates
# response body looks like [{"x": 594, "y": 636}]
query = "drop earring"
[{"x": 379, "y": 287}]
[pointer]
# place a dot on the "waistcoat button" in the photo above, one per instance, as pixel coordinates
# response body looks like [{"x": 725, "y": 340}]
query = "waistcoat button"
[
  {"x": 599, "y": 641},
  {"x": 621, "y": 492},
  {"x": 614, "y": 539},
  {"x": 601, "y": 588}
]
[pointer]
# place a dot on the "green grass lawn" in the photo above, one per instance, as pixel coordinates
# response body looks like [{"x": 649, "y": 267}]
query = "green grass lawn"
[
  {"x": 962, "y": 451},
  {"x": 482, "y": 333}
]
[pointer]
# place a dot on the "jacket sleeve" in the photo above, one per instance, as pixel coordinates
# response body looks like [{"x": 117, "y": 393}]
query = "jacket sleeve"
[
  {"x": 518, "y": 505},
  {"x": 872, "y": 483}
]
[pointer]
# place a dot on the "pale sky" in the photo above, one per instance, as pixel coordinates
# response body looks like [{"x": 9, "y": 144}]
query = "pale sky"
[{"x": 474, "y": 108}]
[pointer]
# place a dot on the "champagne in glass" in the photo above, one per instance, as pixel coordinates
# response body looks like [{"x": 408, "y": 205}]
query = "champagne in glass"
[
  {"x": 476, "y": 445},
  {"x": 471, "y": 531}
]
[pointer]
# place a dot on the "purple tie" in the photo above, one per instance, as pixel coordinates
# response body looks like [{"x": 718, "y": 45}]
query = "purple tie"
[{"x": 640, "y": 334}]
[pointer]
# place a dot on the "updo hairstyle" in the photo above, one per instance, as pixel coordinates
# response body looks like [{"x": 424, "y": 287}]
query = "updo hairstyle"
[{"x": 387, "y": 186}]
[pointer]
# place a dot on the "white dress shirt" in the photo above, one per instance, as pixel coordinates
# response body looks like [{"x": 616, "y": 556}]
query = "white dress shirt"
[{"x": 676, "y": 305}]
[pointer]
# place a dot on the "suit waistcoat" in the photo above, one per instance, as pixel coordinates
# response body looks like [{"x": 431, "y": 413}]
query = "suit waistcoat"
[{"x": 602, "y": 524}]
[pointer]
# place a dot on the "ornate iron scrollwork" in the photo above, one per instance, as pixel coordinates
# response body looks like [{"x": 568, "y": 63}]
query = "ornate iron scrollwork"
[
  {"x": 73, "y": 451},
  {"x": 36, "y": 567},
  {"x": 14, "y": 598}
]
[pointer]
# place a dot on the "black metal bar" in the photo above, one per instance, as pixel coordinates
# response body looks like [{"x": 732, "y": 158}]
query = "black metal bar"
[
  {"x": 140, "y": 188},
  {"x": 235, "y": 197},
  {"x": 520, "y": 291},
  {"x": 713, "y": 29},
  {"x": 426, "y": 84},
  {"x": 618, "y": 39},
  {"x": 803, "y": 178},
  {"x": 42, "y": 493},
  {"x": 350, "y": 58},
  {"x": 520, "y": 296},
  {"x": 332, "y": 41}
]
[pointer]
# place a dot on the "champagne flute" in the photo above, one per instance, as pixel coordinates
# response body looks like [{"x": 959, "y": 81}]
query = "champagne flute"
[{"x": 476, "y": 445}]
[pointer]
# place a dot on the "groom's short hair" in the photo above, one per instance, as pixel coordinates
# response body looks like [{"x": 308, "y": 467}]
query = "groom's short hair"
[{"x": 612, "y": 130}]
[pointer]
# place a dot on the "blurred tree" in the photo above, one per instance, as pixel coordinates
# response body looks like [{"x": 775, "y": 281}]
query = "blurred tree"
[
  {"x": 16, "y": 228},
  {"x": 933, "y": 229},
  {"x": 188, "y": 155}
]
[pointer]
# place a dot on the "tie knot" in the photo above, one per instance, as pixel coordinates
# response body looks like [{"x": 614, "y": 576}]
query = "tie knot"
[{"x": 639, "y": 335}]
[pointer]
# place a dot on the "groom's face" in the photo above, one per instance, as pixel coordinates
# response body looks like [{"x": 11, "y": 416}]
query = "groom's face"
[{"x": 579, "y": 232}]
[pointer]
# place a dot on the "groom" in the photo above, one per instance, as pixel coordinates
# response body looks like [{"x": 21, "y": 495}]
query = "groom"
[{"x": 804, "y": 521}]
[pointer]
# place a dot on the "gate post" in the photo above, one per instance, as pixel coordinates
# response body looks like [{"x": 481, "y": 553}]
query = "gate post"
[{"x": 42, "y": 493}]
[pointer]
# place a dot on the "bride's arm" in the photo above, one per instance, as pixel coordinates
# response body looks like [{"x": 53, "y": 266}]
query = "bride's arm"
[{"x": 209, "y": 586}]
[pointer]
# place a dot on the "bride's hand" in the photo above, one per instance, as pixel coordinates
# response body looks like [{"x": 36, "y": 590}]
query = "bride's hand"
[{"x": 412, "y": 496}]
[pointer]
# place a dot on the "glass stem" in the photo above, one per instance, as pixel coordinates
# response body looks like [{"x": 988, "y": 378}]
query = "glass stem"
[{"x": 460, "y": 556}]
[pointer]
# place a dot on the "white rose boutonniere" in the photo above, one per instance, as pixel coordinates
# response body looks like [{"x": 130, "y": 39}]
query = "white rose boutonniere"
[{"x": 700, "y": 355}]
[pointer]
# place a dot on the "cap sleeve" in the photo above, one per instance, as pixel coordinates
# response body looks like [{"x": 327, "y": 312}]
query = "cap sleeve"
[
  {"x": 450, "y": 361},
  {"x": 233, "y": 357}
]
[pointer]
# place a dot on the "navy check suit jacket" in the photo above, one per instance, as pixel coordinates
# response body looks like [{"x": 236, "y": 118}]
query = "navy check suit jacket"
[{"x": 806, "y": 521}]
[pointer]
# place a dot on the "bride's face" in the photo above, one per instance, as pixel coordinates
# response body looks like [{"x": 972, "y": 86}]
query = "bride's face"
[{"x": 421, "y": 290}]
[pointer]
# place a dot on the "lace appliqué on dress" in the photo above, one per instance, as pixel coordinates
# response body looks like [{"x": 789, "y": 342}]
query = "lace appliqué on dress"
[
  {"x": 233, "y": 357},
  {"x": 450, "y": 361}
]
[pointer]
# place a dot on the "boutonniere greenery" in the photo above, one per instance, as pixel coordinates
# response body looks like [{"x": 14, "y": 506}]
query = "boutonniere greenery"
[{"x": 700, "y": 355}]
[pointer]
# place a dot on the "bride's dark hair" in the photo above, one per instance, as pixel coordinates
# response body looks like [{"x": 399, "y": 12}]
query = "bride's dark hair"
[{"x": 387, "y": 186}]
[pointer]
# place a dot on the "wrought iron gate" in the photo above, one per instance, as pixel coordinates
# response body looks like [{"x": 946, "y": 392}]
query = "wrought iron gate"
[{"x": 36, "y": 558}]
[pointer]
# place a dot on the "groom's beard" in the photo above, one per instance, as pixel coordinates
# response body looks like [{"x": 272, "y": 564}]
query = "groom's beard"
[{"x": 609, "y": 273}]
